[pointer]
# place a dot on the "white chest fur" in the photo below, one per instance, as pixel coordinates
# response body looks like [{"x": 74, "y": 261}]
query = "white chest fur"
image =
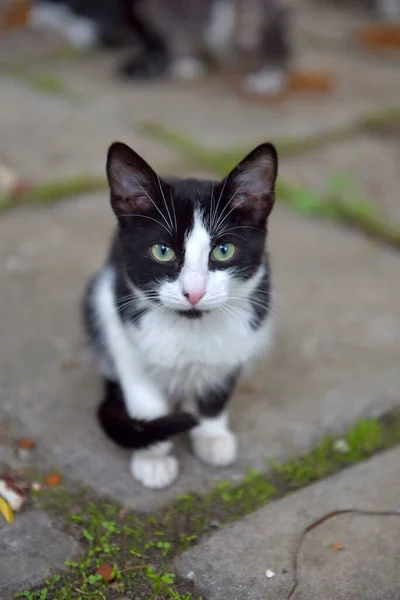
[
  {"x": 181, "y": 356},
  {"x": 186, "y": 356}
]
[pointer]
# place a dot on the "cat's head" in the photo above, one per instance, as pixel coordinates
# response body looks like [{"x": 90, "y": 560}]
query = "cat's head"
[{"x": 192, "y": 246}]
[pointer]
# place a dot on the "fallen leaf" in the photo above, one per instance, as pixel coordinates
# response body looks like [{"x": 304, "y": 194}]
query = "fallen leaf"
[
  {"x": 27, "y": 444},
  {"x": 336, "y": 546},
  {"x": 106, "y": 572},
  {"x": 6, "y": 511},
  {"x": 11, "y": 493},
  {"x": 52, "y": 479},
  {"x": 311, "y": 81},
  {"x": 381, "y": 37}
]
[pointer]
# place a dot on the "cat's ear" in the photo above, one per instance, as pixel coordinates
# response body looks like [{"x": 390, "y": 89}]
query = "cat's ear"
[
  {"x": 132, "y": 181},
  {"x": 251, "y": 184}
]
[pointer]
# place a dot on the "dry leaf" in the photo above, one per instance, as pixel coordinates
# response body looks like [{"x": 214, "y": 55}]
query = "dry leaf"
[
  {"x": 381, "y": 37},
  {"x": 311, "y": 81},
  {"x": 13, "y": 494},
  {"x": 6, "y": 511},
  {"x": 52, "y": 479},
  {"x": 336, "y": 546},
  {"x": 27, "y": 444},
  {"x": 106, "y": 572}
]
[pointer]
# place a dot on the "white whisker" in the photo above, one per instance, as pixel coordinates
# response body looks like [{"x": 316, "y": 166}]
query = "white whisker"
[
  {"x": 219, "y": 222},
  {"x": 150, "y": 218},
  {"x": 165, "y": 201},
  {"x": 173, "y": 206}
]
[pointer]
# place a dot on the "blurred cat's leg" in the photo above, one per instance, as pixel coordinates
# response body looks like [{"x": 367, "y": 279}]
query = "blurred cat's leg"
[{"x": 187, "y": 68}]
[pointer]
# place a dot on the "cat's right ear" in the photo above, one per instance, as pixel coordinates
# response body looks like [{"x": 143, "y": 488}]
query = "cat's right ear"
[{"x": 131, "y": 180}]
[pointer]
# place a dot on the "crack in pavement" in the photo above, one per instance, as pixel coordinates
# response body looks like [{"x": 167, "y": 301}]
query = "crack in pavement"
[{"x": 324, "y": 519}]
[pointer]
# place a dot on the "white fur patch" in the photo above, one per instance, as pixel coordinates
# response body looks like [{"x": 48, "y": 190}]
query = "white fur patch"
[
  {"x": 221, "y": 25},
  {"x": 266, "y": 82},
  {"x": 79, "y": 31},
  {"x": 143, "y": 399},
  {"x": 214, "y": 443},
  {"x": 187, "y": 68},
  {"x": 153, "y": 467}
]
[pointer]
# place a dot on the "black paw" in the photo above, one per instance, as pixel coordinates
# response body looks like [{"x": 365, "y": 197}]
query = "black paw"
[{"x": 145, "y": 66}]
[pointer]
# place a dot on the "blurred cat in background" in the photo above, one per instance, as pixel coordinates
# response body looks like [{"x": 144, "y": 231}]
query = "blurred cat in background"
[{"x": 182, "y": 38}]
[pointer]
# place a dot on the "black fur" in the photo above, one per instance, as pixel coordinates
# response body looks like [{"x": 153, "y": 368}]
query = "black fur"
[
  {"x": 213, "y": 403},
  {"x": 132, "y": 433}
]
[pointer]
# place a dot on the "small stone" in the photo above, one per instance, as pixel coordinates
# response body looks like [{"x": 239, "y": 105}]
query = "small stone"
[
  {"x": 215, "y": 524},
  {"x": 24, "y": 455},
  {"x": 269, "y": 574},
  {"x": 36, "y": 486},
  {"x": 190, "y": 576},
  {"x": 342, "y": 446}
]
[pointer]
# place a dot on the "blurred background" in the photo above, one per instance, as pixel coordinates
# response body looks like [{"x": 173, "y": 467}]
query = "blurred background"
[{"x": 192, "y": 86}]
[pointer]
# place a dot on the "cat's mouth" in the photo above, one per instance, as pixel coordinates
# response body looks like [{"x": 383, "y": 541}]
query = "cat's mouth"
[{"x": 192, "y": 313}]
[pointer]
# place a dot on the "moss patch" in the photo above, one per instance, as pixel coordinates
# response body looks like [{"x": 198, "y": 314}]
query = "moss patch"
[
  {"x": 53, "y": 191},
  {"x": 140, "y": 547},
  {"x": 218, "y": 160},
  {"x": 338, "y": 205}
]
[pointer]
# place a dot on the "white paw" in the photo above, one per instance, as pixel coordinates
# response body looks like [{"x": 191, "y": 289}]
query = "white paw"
[
  {"x": 266, "y": 82},
  {"x": 187, "y": 69},
  {"x": 154, "y": 470},
  {"x": 219, "y": 450}
]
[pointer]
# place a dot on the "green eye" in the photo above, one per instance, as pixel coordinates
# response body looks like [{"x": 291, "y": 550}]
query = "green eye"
[
  {"x": 223, "y": 252},
  {"x": 162, "y": 252}
]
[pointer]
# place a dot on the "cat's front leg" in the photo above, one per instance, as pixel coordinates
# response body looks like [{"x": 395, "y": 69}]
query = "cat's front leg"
[
  {"x": 213, "y": 442},
  {"x": 154, "y": 466}
]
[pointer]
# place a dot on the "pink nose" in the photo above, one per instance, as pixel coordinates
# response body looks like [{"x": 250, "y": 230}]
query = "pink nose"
[{"x": 194, "y": 297}]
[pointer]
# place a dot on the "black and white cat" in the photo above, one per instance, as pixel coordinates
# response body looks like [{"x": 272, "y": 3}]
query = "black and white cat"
[
  {"x": 182, "y": 38},
  {"x": 181, "y": 306}
]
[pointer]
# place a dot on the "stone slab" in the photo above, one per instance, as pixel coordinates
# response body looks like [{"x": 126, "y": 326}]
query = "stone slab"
[
  {"x": 368, "y": 164},
  {"x": 31, "y": 549},
  {"x": 232, "y": 564},
  {"x": 336, "y": 357}
]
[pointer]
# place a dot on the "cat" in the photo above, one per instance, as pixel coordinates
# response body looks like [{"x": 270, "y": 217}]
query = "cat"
[
  {"x": 181, "y": 306},
  {"x": 251, "y": 37},
  {"x": 182, "y": 38}
]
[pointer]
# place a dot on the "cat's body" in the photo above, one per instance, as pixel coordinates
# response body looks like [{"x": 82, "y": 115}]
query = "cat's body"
[
  {"x": 250, "y": 37},
  {"x": 181, "y": 330},
  {"x": 183, "y": 38}
]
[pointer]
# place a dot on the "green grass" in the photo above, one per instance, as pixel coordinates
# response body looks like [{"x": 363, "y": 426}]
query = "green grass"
[
  {"x": 365, "y": 438},
  {"x": 218, "y": 160},
  {"x": 52, "y": 191},
  {"x": 140, "y": 547},
  {"x": 42, "y": 82},
  {"x": 338, "y": 203}
]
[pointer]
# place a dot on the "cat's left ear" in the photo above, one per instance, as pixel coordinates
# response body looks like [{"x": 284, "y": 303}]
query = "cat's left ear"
[
  {"x": 251, "y": 184},
  {"x": 133, "y": 183}
]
